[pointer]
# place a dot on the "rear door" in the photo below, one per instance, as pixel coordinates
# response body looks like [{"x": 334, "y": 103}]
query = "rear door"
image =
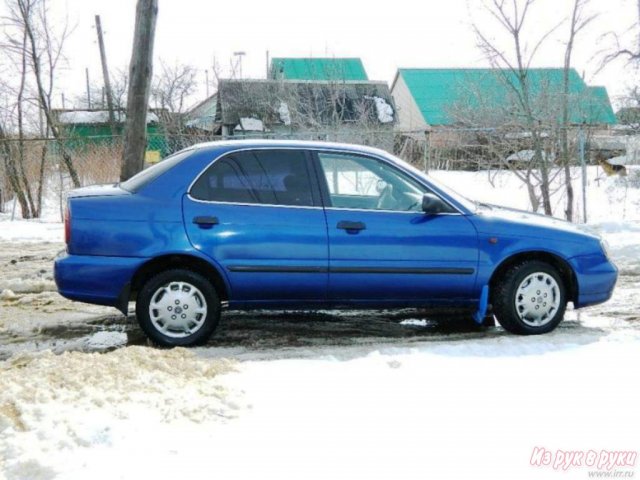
[
  {"x": 258, "y": 214},
  {"x": 382, "y": 247}
]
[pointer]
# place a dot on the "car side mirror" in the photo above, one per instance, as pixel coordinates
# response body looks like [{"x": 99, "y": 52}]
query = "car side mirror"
[{"x": 432, "y": 204}]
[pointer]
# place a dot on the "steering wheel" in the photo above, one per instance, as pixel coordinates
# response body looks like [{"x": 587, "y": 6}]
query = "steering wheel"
[{"x": 386, "y": 200}]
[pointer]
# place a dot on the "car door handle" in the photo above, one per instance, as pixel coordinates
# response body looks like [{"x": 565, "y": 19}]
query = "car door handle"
[
  {"x": 205, "y": 221},
  {"x": 351, "y": 227}
]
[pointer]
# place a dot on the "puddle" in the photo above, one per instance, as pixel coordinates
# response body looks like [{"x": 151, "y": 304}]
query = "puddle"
[{"x": 255, "y": 330}]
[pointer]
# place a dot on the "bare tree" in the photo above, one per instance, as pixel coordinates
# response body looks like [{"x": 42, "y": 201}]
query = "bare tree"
[
  {"x": 51, "y": 56},
  {"x": 629, "y": 113},
  {"x": 31, "y": 211},
  {"x": 510, "y": 17},
  {"x": 119, "y": 85},
  {"x": 577, "y": 22},
  {"x": 622, "y": 49},
  {"x": 171, "y": 89},
  {"x": 30, "y": 16},
  {"x": 11, "y": 170},
  {"x": 173, "y": 86},
  {"x": 140, "y": 72}
]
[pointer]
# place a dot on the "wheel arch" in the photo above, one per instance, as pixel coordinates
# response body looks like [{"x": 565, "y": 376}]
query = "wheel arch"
[
  {"x": 179, "y": 260},
  {"x": 567, "y": 274}
]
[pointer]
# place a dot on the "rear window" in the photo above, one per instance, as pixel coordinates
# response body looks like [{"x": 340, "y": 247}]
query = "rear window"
[{"x": 148, "y": 175}]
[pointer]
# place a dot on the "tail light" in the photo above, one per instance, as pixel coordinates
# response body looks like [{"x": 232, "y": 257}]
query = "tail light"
[{"x": 67, "y": 226}]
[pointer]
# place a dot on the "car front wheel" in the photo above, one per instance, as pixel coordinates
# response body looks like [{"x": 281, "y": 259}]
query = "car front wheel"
[
  {"x": 530, "y": 298},
  {"x": 178, "y": 308}
]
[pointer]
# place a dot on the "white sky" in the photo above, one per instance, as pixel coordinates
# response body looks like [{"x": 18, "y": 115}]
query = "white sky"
[{"x": 386, "y": 35}]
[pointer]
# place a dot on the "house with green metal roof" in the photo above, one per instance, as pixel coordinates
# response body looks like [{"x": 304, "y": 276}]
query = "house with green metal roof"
[
  {"x": 324, "y": 69},
  {"x": 429, "y": 97},
  {"x": 90, "y": 129}
]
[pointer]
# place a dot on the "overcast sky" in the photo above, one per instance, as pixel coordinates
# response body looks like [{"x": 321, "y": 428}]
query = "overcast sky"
[{"x": 386, "y": 35}]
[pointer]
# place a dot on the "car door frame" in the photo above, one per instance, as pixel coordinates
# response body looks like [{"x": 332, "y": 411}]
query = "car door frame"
[
  {"x": 326, "y": 196},
  {"x": 326, "y": 200},
  {"x": 319, "y": 204}
]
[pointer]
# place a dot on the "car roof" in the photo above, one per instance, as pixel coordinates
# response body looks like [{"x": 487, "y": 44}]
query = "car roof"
[{"x": 230, "y": 145}]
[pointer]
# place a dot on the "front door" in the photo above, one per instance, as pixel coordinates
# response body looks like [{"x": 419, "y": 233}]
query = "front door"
[
  {"x": 259, "y": 216},
  {"x": 382, "y": 247}
]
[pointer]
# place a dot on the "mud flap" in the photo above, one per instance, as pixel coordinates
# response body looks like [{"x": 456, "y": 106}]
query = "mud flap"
[
  {"x": 478, "y": 317},
  {"x": 123, "y": 299}
]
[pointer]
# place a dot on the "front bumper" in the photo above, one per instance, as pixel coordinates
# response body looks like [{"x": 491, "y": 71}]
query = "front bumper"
[
  {"x": 596, "y": 276},
  {"x": 95, "y": 279}
]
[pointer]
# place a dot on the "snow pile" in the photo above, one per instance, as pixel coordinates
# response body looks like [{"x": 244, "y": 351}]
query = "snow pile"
[
  {"x": 415, "y": 322},
  {"x": 30, "y": 230},
  {"x": 526, "y": 156},
  {"x": 32, "y": 284},
  {"x": 389, "y": 411},
  {"x": 623, "y": 239},
  {"x": 73, "y": 401},
  {"x": 97, "y": 117},
  {"x": 619, "y": 160},
  {"x": 105, "y": 339},
  {"x": 249, "y": 124},
  {"x": 284, "y": 113},
  {"x": 383, "y": 109},
  {"x": 608, "y": 198}
]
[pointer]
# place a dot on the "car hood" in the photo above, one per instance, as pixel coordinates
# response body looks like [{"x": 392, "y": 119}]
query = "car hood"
[{"x": 494, "y": 219}]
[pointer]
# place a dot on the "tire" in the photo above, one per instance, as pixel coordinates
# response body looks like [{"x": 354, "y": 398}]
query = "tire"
[
  {"x": 530, "y": 298},
  {"x": 178, "y": 308}
]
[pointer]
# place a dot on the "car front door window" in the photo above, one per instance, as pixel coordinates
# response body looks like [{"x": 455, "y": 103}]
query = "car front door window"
[{"x": 366, "y": 183}]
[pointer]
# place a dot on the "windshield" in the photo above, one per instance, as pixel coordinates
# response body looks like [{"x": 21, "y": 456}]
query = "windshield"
[
  {"x": 462, "y": 200},
  {"x": 147, "y": 175}
]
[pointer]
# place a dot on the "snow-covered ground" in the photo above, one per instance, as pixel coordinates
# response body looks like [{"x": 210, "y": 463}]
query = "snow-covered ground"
[{"x": 286, "y": 395}]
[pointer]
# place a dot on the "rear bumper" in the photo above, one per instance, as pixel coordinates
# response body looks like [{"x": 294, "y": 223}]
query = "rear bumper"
[
  {"x": 596, "y": 277},
  {"x": 95, "y": 279}
]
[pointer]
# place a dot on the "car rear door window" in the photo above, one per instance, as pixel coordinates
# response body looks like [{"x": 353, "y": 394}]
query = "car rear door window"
[{"x": 270, "y": 177}]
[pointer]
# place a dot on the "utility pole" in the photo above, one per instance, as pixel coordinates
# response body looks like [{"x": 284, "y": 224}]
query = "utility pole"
[
  {"x": 140, "y": 71},
  {"x": 583, "y": 165},
  {"x": 268, "y": 66},
  {"x": 239, "y": 56},
  {"x": 427, "y": 150},
  {"x": 105, "y": 74},
  {"x": 86, "y": 71}
]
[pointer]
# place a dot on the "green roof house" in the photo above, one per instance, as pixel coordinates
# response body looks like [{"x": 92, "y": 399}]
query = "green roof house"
[
  {"x": 90, "y": 129},
  {"x": 443, "y": 97},
  {"x": 326, "y": 69}
]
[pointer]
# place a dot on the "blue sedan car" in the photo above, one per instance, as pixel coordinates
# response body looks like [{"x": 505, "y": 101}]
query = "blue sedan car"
[{"x": 307, "y": 225}]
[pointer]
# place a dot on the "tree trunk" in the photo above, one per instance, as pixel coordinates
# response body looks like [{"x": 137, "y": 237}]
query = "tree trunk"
[
  {"x": 12, "y": 174},
  {"x": 21, "y": 146},
  {"x": 533, "y": 198},
  {"x": 43, "y": 157},
  {"x": 140, "y": 71},
  {"x": 42, "y": 95}
]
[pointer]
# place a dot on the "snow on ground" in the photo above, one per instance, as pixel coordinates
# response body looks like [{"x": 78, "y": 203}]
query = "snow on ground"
[
  {"x": 360, "y": 395},
  {"x": 30, "y": 231},
  {"x": 608, "y": 198},
  {"x": 62, "y": 405},
  {"x": 455, "y": 409}
]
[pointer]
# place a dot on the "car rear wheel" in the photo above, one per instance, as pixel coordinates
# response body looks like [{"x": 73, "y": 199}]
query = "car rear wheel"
[
  {"x": 178, "y": 308},
  {"x": 530, "y": 298}
]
